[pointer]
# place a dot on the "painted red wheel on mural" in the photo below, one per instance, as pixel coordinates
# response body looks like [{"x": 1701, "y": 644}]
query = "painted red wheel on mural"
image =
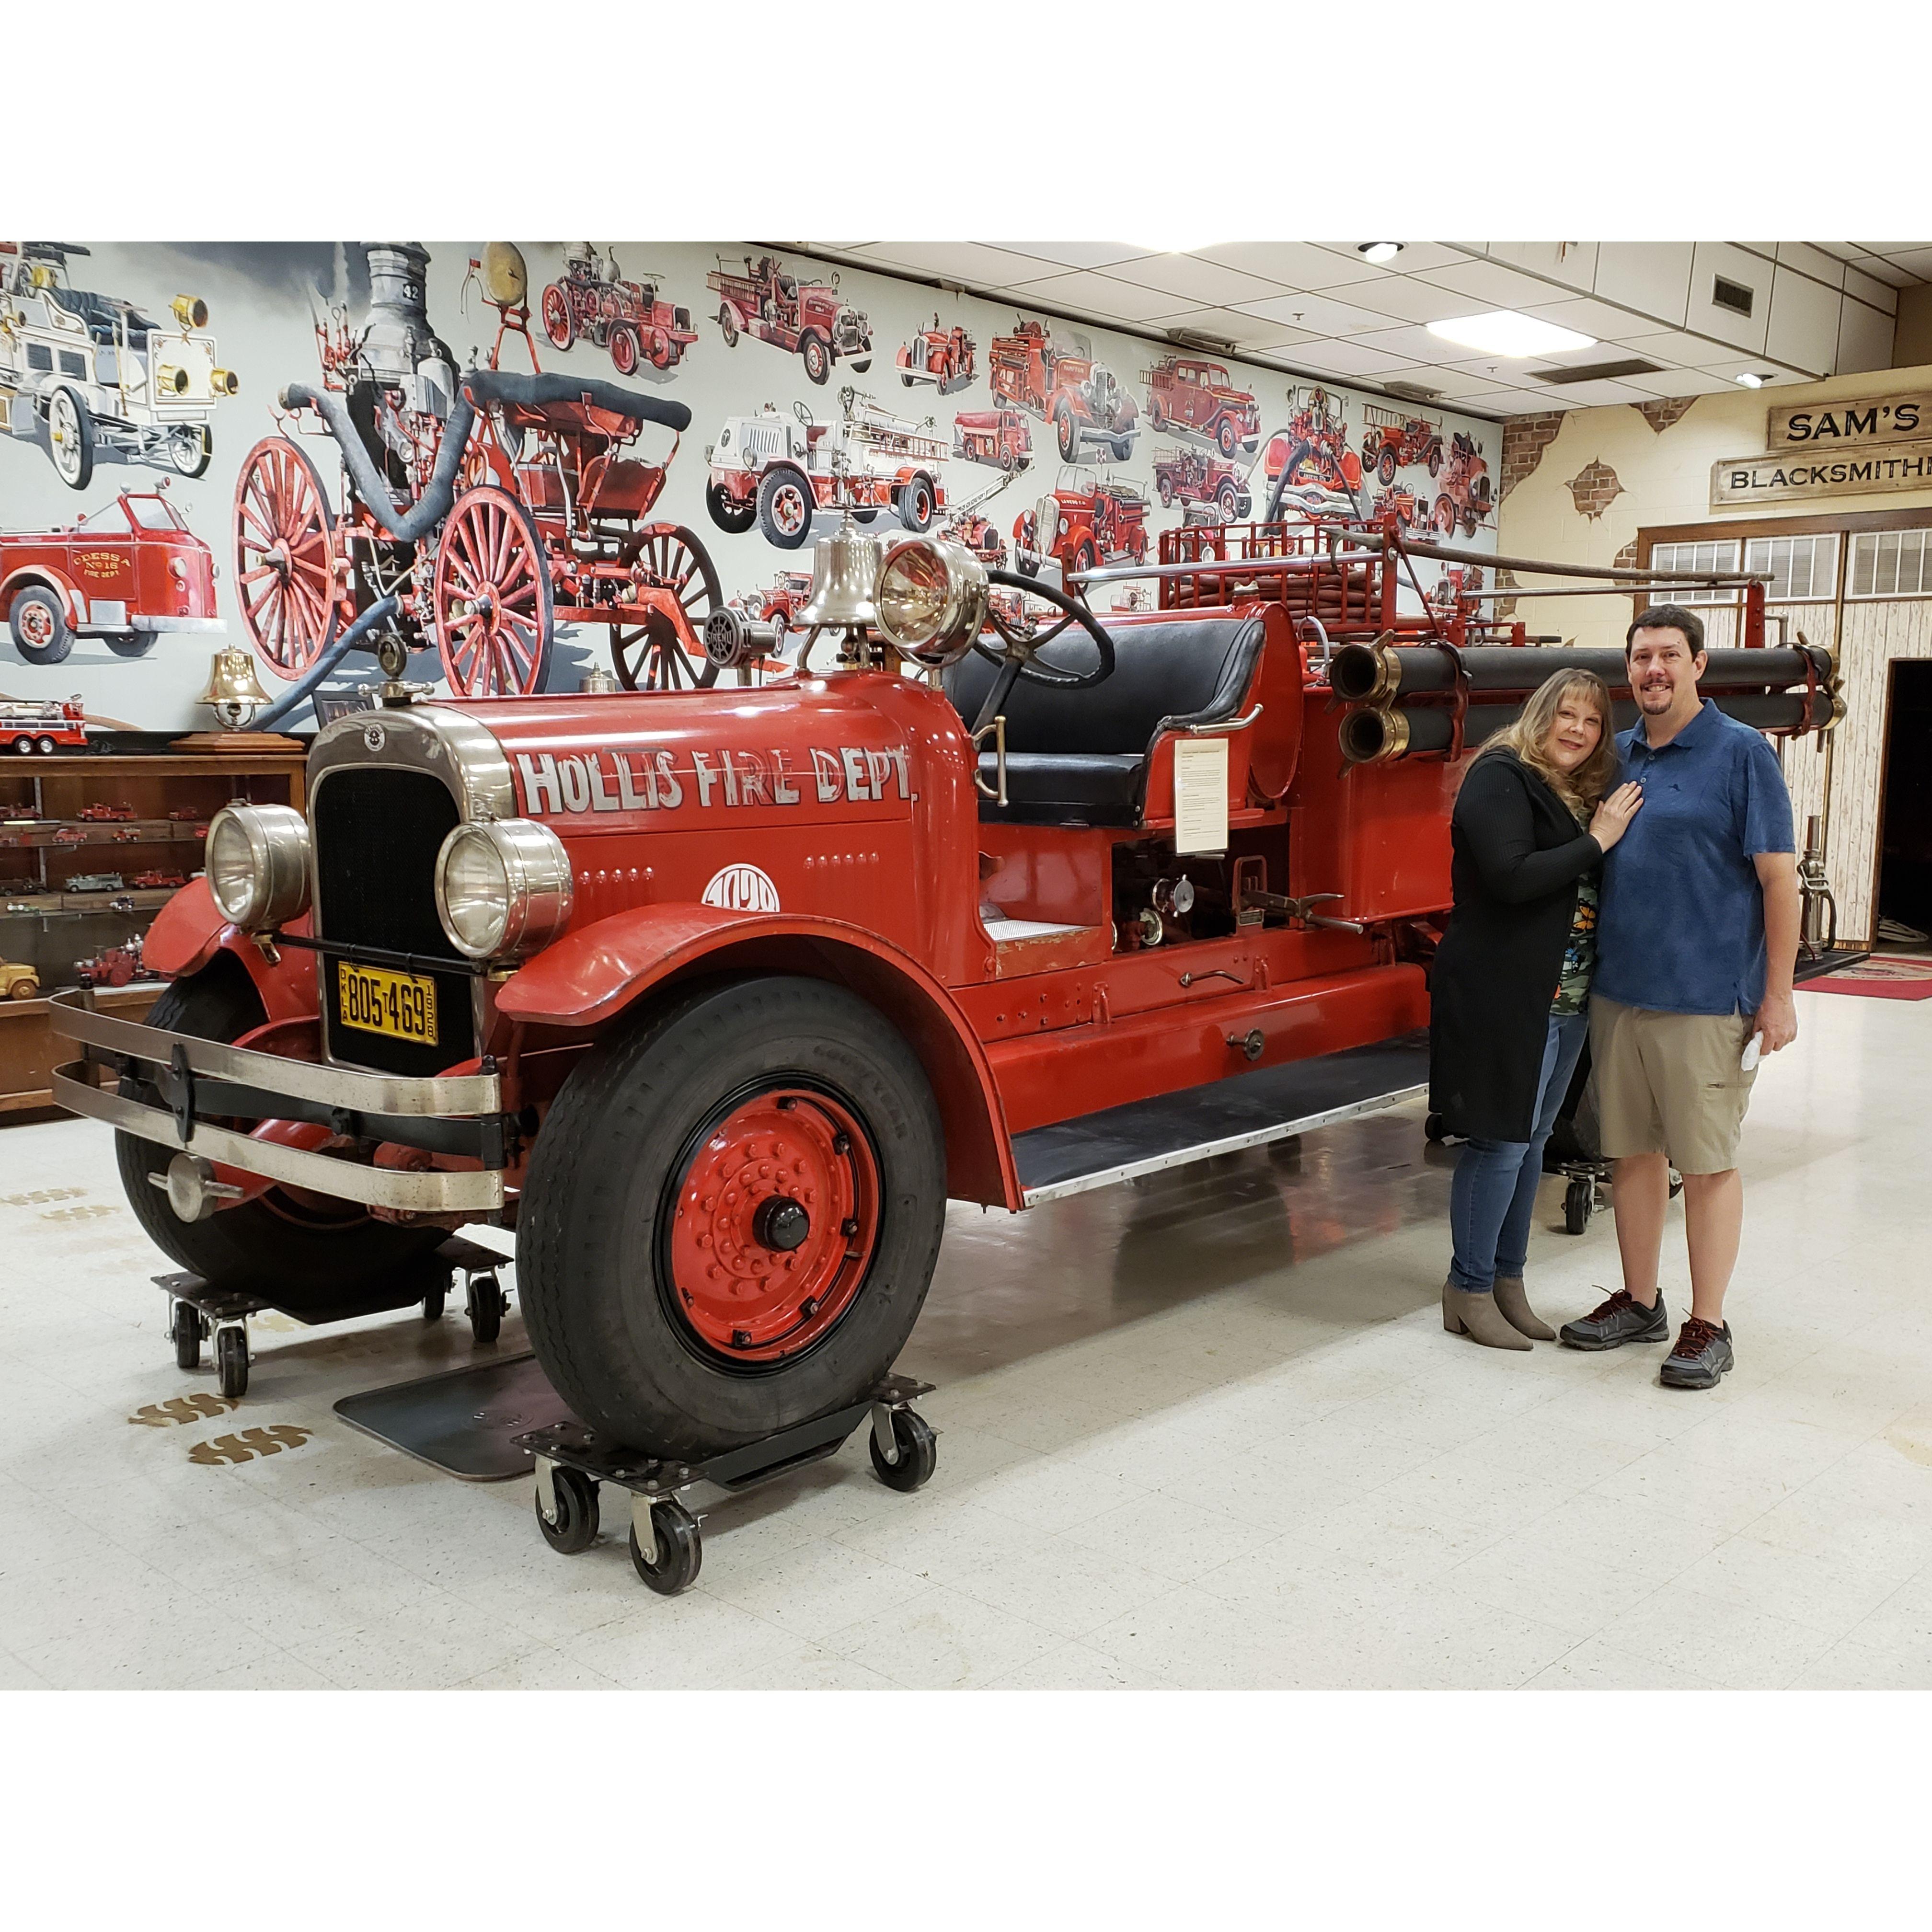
[
  {"x": 777, "y": 1214},
  {"x": 284, "y": 557},
  {"x": 493, "y": 601},
  {"x": 624, "y": 348},
  {"x": 560, "y": 325}
]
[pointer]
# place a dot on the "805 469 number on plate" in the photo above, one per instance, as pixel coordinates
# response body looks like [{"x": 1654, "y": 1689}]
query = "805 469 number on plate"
[{"x": 402, "y": 1005}]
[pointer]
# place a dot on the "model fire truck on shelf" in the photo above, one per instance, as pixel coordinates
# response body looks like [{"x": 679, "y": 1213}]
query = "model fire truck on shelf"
[
  {"x": 592, "y": 302},
  {"x": 718, "y": 1000},
  {"x": 85, "y": 374},
  {"x": 997, "y": 437},
  {"x": 1188, "y": 397},
  {"x": 941, "y": 356},
  {"x": 1392, "y": 441},
  {"x": 53, "y": 724},
  {"x": 779, "y": 471},
  {"x": 114, "y": 966},
  {"x": 124, "y": 573},
  {"x": 1066, "y": 387},
  {"x": 479, "y": 511},
  {"x": 1464, "y": 485},
  {"x": 808, "y": 318},
  {"x": 1187, "y": 477},
  {"x": 1088, "y": 520}
]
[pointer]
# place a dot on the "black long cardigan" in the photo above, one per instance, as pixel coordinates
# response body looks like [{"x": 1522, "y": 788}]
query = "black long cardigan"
[{"x": 1517, "y": 858}]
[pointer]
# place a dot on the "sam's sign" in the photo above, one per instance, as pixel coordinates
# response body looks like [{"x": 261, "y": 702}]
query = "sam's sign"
[
  {"x": 1865, "y": 419},
  {"x": 1789, "y": 475}
]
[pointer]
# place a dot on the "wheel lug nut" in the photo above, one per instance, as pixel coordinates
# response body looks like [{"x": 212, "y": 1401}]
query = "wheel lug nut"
[{"x": 848, "y": 1228}]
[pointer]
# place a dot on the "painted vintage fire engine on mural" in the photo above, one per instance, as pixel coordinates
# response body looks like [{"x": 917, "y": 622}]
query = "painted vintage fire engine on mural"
[
  {"x": 1088, "y": 520},
  {"x": 998, "y": 438},
  {"x": 125, "y": 573},
  {"x": 1057, "y": 381},
  {"x": 1394, "y": 439},
  {"x": 89, "y": 375},
  {"x": 592, "y": 301},
  {"x": 942, "y": 356},
  {"x": 778, "y": 470},
  {"x": 809, "y": 319},
  {"x": 1188, "y": 397},
  {"x": 1465, "y": 487},
  {"x": 1200, "y": 482}
]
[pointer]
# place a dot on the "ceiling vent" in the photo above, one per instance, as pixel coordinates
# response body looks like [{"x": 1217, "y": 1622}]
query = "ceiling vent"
[
  {"x": 1193, "y": 338},
  {"x": 1413, "y": 392},
  {"x": 1597, "y": 372},
  {"x": 1732, "y": 296}
]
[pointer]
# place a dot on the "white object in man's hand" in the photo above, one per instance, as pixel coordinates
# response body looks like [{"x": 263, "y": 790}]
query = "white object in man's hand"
[{"x": 1754, "y": 1049}]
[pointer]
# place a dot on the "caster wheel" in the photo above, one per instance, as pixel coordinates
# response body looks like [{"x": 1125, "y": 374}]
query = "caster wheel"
[
  {"x": 575, "y": 1528},
  {"x": 433, "y": 1303},
  {"x": 680, "y": 1549},
  {"x": 1676, "y": 1183},
  {"x": 187, "y": 1336},
  {"x": 485, "y": 1308},
  {"x": 919, "y": 1452},
  {"x": 231, "y": 1361},
  {"x": 1431, "y": 1128},
  {"x": 1579, "y": 1198}
]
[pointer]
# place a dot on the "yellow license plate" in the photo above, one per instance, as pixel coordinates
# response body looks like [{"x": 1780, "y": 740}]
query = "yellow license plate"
[{"x": 400, "y": 1004}]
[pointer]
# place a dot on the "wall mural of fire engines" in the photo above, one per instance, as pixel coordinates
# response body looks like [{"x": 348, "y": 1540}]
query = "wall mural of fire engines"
[{"x": 461, "y": 460}]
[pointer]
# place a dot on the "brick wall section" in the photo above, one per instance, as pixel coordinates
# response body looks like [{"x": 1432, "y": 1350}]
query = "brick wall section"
[
  {"x": 1626, "y": 558},
  {"x": 1661, "y": 415},
  {"x": 1594, "y": 488},
  {"x": 1505, "y": 606},
  {"x": 1525, "y": 439}
]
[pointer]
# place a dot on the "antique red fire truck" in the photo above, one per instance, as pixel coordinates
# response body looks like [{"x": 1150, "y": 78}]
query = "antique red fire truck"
[
  {"x": 942, "y": 356},
  {"x": 54, "y": 724},
  {"x": 997, "y": 437},
  {"x": 1392, "y": 441},
  {"x": 1187, "y": 477},
  {"x": 806, "y": 317},
  {"x": 593, "y": 302},
  {"x": 1065, "y": 387},
  {"x": 1192, "y": 398},
  {"x": 1087, "y": 521},
  {"x": 717, "y": 997},
  {"x": 1464, "y": 484},
  {"x": 125, "y": 573},
  {"x": 114, "y": 966}
]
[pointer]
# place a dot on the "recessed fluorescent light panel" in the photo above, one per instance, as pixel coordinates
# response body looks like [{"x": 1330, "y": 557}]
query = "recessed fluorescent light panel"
[{"x": 1502, "y": 332}]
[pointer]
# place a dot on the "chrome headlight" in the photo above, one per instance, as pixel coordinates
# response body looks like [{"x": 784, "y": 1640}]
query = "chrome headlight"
[
  {"x": 257, "y": 859},
  {"x": 931, "y": 599},
  {"x": 503, "y": 889}
]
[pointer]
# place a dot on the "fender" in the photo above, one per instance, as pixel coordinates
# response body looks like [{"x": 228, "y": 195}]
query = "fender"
[
  {"x": 30, "y": 576},
  {"x": 593, "y": 975},
  {"x": 190, "y": 929}
]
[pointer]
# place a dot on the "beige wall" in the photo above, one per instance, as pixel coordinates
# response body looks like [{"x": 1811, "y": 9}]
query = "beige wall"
[{"x": 1665, "y": 478}]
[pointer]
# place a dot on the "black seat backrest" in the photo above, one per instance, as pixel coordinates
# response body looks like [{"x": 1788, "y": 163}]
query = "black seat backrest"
[{"x": 1192, "y": 668}]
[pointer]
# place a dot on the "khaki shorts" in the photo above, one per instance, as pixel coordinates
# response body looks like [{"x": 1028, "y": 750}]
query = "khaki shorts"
[{"x": 1670, "y": 1084}]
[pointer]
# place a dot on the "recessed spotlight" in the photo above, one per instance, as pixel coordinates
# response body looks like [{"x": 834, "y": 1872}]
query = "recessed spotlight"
[
  {"x": 1750, "y": 378},
  {"x": 1503, "y": 331},
  {"x": 1379, "y": 252}
]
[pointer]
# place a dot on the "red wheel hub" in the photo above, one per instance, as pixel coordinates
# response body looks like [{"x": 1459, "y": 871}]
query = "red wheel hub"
[{"x": 776, "y": 1217}]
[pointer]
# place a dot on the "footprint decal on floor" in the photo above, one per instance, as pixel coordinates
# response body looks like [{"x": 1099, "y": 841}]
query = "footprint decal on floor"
[
  {"x": 91, "y": 1212},
  {"x": 40, "y": 1195},
  {"x": 249, "y": 1444},
  {"x": 182, "y": 1408}
]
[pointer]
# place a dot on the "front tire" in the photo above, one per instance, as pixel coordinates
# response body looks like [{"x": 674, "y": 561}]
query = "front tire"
[
  {"x": 671, "y": 1303},
  {"x": 732, "y": 516},
  {"x": 38, "y": 621},
  {"x": 303, "y": 1256}
]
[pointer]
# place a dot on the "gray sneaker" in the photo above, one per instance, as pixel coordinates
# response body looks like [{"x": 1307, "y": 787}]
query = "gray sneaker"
[
  {"x": 1702, "y": 1358},
  {"x": 1622, "y": 1318}
]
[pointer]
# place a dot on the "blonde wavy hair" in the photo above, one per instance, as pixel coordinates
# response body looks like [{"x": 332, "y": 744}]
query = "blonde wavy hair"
[{"x": 1528, "y": 738}]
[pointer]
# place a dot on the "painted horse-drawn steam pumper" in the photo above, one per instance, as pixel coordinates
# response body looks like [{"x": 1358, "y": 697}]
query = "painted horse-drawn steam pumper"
[
  {"x": 716, "y": 998},
  {"x": 807, "y": 318},
  {"x": 479, "y": 511},
  {"x": 591, "y": 301}
]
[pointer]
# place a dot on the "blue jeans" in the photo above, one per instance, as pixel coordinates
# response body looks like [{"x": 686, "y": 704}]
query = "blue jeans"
[{"x": 1493, "y": 1195}]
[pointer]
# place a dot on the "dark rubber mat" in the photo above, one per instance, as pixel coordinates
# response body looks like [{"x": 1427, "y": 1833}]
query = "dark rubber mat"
[{"x": 464, "y": 1422}]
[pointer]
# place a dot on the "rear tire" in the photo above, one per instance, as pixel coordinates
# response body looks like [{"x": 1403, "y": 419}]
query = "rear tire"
[
  {"x": 292, "y": 1256},
  {"x": 731, "y": 517},
  {"x": 621, "y": 1338}
]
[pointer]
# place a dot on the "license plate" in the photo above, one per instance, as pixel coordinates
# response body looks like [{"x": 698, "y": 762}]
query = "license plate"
[{"x": 400, "y": 1004}]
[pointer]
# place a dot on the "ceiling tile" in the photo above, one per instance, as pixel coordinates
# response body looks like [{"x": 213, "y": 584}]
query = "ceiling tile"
[
  {"x": 1868, "y": 288},
  {"x": 1490, "y": 285},
  {"x": 1804, "y": 325},
  {"x": 1415, "y": 256},
  {"x": 1916, "y": 261},
  {"x": 1416, "y": 344},
  {"x": 1293, "y": 264},
  {"x": 1254, "y": 333},
  {"x": 1196, "y": 280},
  {"x": 1712, "y": 260},
  {"x": 1453, "y": 382},
  {"x": 1077, "y": 254},
  {"x": 1401, "y": 298},
  {"x": 1322, "y": 314},
  {"x": 1679, "y": 382},
  {"x": 1347, "y": 359},
  {"x": 1596, "y": 395},
  {"x": 1572, "y": 263},
  {"x": 1815, "y": 262},
  {"x": 1865, "y": 340},
  {"x": 1891, "y": 247},
  {"x": 1654, "y": 277},
  {"x": 1598, "y": 318},
  {"x": 1673, "y": 347},
  {"x": 956, "y": 261},
  {"x": 1102, "y": 295}
]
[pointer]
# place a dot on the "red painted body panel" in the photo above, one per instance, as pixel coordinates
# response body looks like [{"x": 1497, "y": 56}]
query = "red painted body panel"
[{"x": 190, "y": 929}]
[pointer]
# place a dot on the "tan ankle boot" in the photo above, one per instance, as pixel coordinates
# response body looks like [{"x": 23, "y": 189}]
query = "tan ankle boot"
[
  {"x": 1478, "y": 1317},
  {"x": 1514, "y": 1303}
]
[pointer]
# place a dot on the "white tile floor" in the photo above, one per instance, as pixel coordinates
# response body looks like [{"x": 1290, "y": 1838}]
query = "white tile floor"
[{"x": 1207, "y": 1432}]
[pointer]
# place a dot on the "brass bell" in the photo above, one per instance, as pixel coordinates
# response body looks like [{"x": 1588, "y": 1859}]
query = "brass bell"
[
  {"x": 234, "y": 694},
  {"x": 844, "y": 576}
]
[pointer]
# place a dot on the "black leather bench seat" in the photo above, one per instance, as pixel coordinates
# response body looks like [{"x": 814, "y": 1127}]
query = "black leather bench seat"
[{"x": 1080, "y": 757}]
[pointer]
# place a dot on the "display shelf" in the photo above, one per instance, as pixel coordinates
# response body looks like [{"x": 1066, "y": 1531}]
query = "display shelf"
[{"x": 29, "y": 1050}]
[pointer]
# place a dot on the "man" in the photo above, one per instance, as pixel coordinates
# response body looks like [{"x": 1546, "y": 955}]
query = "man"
[{"x": 1695, "y": 944}]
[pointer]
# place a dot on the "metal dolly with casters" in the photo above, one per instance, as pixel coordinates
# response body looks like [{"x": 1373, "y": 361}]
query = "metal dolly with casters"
[
  {"x": 667, "y": 1547},
  {"x": 198, "y": 1311}
]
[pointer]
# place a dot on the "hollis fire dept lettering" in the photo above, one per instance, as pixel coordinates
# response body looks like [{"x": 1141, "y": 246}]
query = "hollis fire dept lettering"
[{"x": 651, "y": 781}]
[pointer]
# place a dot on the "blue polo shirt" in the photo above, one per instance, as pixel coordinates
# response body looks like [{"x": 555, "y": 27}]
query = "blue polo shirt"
[{"x": 1682, "y": 926}]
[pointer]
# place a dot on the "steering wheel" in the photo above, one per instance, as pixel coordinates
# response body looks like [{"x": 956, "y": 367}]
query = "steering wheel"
[{"x": 1019, "y": 660}]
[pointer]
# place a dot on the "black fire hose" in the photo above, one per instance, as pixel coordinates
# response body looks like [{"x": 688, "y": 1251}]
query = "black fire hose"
[
  {"x": 430, "y": 509},
  {"x": 1370, "y": 736},
  {"x": 298, "y": 694},
  {"x": 1371, "y": 674}
]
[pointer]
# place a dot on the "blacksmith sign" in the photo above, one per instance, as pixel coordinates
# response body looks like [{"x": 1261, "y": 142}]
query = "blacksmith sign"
[
  {"x": 1815, "y": 428},
  {"x": 1812, "y": 472}
]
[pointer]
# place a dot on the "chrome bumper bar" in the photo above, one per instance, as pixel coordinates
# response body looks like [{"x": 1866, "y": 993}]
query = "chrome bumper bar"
[{"x": 449, "y": 1113}]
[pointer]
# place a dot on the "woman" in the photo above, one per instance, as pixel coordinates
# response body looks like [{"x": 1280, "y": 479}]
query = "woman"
[{"x": 1510, "y": 987}]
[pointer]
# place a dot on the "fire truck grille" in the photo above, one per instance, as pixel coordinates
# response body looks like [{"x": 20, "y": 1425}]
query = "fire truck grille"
[{"x": 377, "y": 832}]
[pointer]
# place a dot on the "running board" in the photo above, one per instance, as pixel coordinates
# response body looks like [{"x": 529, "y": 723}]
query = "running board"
[{"x": 1246, "y": 1110}]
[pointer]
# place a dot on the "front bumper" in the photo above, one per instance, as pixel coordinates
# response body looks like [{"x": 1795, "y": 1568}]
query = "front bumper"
[{"x": 451, "y": 1114}]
